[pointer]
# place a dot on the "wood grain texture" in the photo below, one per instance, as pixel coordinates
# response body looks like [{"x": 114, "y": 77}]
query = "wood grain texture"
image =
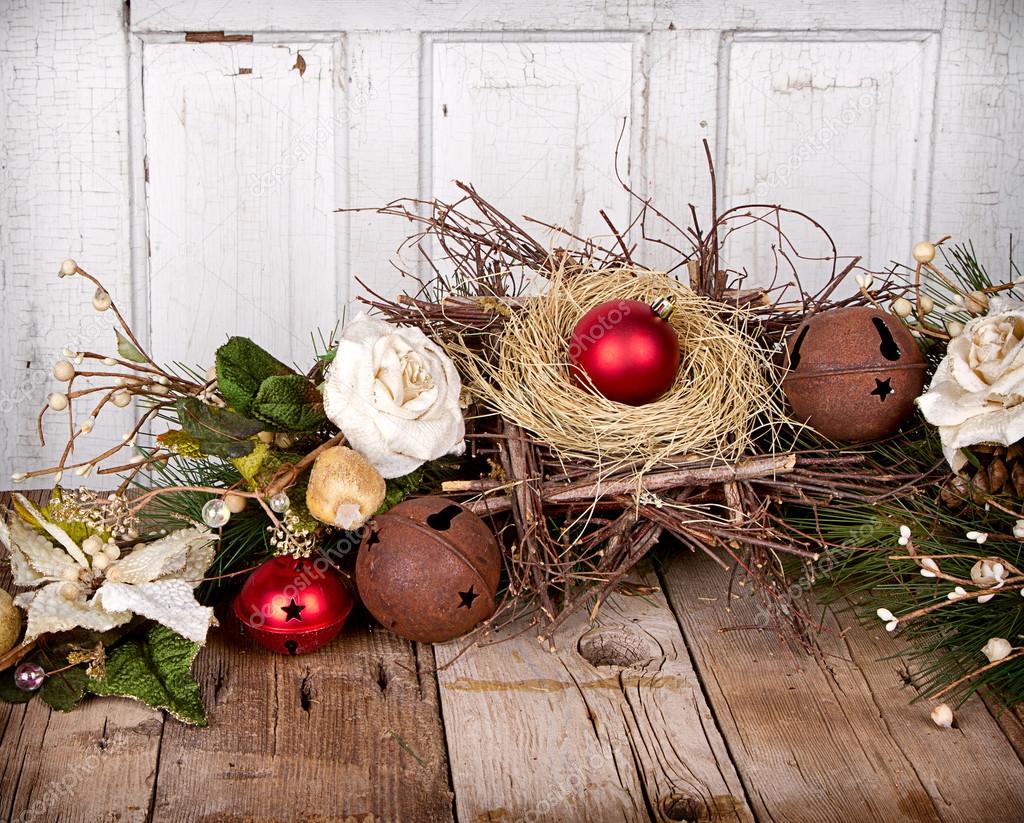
[
  {"x": 241, "y": 147},
  {"x": 836, "y": 739},
  {"x": 52, "y": 762},
  {"x": 155, "y": 16},
  {"x": 63, "y": 193},
  {"x": 612, "y": 726},
  {"x": 351, "y": 732},
  {"x": 383, "y": 107},
  {"x": 679, "y": 72}
]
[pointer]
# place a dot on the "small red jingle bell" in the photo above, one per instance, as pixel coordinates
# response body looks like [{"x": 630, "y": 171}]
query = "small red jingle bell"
[
  {"x": 293, "y": 606},
  {"x": 626, "y": 350}
]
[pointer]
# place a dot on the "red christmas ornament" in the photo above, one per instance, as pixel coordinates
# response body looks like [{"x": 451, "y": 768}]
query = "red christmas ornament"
[
  {"x": 293, "y": 606},
  {"x": 626, "y": 350}
]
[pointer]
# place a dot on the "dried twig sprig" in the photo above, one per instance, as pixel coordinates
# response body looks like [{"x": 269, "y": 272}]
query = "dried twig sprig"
[{"x": 116, "y": 381}]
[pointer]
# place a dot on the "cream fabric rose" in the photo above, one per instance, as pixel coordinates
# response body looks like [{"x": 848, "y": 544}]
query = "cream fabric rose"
[
  {"x": 977, "y": 394},
  {"x": 395, "y": 396}
]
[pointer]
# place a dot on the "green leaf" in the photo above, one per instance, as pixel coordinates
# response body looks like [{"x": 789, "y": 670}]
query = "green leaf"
[
  {"x": 249, "y": 466},
  {"x": 399, "y": 488},
  {"x": 64, "y": 690},
  {"x": 289, "y": 402},
  {"x": 218, "y": 432},
  {"x": 127, "y": 349},
  {"x": 242, "y": 366},
  {"x": 157, "y": 671}
]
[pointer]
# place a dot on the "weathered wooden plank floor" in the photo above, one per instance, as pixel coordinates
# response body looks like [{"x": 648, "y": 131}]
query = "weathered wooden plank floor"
[{"x": 652, "y": 713}]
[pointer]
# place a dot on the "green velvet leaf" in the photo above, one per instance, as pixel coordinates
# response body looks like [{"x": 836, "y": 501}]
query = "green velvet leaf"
[
  {"x": 219, "y": 432},
  {"x": 289, "y": 402},
  {"x": 157, "y": 671},
  {"x": 399, "y": 488},
  {"x": 64, "y": 690},
  {"x": 242, "y": 366},
  {"x": 75, "y": 529},
  {"x": 127, "y": 349}
]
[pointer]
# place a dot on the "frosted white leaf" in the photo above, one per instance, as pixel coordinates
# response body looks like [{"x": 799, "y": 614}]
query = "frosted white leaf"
[
  {"x": 186, "y": 553},
  {"x": 34, "y": 559},
  {"x": 168, "y": 602},
  {"x": 50, "y": 611},
  {"x": 55, "y": 532}
]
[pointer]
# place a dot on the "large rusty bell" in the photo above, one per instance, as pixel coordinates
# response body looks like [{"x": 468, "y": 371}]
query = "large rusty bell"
[
  {"x": 428, "y": 569},
  {"x": 854, "y": 373}
]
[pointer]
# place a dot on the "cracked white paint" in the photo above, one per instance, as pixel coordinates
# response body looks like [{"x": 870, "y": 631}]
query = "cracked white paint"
[
  {"x": 64, "y": 192},
  {"x": 533, "y": 126},
  {"x": 235, "y": 231},
  {"x": 241, "y": 198}
]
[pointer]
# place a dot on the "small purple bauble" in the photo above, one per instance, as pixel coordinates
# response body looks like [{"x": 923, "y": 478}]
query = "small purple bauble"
[{"x": 29, "y": 676}]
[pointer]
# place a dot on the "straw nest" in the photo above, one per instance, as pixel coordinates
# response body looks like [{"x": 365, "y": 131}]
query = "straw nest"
[{"x": 725, "y": 394}]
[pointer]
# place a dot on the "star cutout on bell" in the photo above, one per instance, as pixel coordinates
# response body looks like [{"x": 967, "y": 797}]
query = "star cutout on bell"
[
  {"x": 467, "y": 598},
  {"x": 293, "y": 610},
  {"x": 883, "y": 388}
]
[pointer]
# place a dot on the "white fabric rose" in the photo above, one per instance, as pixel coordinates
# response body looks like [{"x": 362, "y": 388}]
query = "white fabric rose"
[
  {"x": 977, "y": 394},
  {"x": 395, "y": 396}
]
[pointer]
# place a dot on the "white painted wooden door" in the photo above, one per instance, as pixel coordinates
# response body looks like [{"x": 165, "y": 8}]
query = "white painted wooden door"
[{"x": 193, "y": 151}]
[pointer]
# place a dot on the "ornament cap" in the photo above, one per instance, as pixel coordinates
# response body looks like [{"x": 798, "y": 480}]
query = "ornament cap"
[{"x": 664, "y": 306}]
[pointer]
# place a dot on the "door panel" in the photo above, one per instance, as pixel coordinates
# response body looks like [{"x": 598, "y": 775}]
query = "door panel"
[
  {"x": 839, "y": 128},
  {"x": 533, "y": 125},
  {"x": 241, "y": 158}
]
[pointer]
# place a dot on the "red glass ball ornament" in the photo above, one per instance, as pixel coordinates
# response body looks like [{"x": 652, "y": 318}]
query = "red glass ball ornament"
[
  {"x": 626, "y": 350},
  {"x": 293, "y": 606}
]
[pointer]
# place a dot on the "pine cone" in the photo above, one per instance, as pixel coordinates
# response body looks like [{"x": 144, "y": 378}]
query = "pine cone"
[{"x": 1001, "y": 473}]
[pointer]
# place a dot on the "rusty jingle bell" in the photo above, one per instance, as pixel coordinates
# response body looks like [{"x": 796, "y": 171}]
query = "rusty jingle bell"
[
  {"x": 428, "y": 570},
  {"x": 854, "y": 373}
]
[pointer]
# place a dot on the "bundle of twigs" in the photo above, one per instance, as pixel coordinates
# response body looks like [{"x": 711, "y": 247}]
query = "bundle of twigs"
[{"x": 574, "y": 529}]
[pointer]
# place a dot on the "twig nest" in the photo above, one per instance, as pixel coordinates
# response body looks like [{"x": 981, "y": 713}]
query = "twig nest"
[
  {"x": 344, "y": 488},
  {"x": 10, "y": 622},
  {"x": 723, "y": 392}
]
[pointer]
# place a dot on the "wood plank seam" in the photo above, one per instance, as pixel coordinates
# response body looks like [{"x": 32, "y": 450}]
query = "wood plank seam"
[{"x": 699, "y": 673}]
